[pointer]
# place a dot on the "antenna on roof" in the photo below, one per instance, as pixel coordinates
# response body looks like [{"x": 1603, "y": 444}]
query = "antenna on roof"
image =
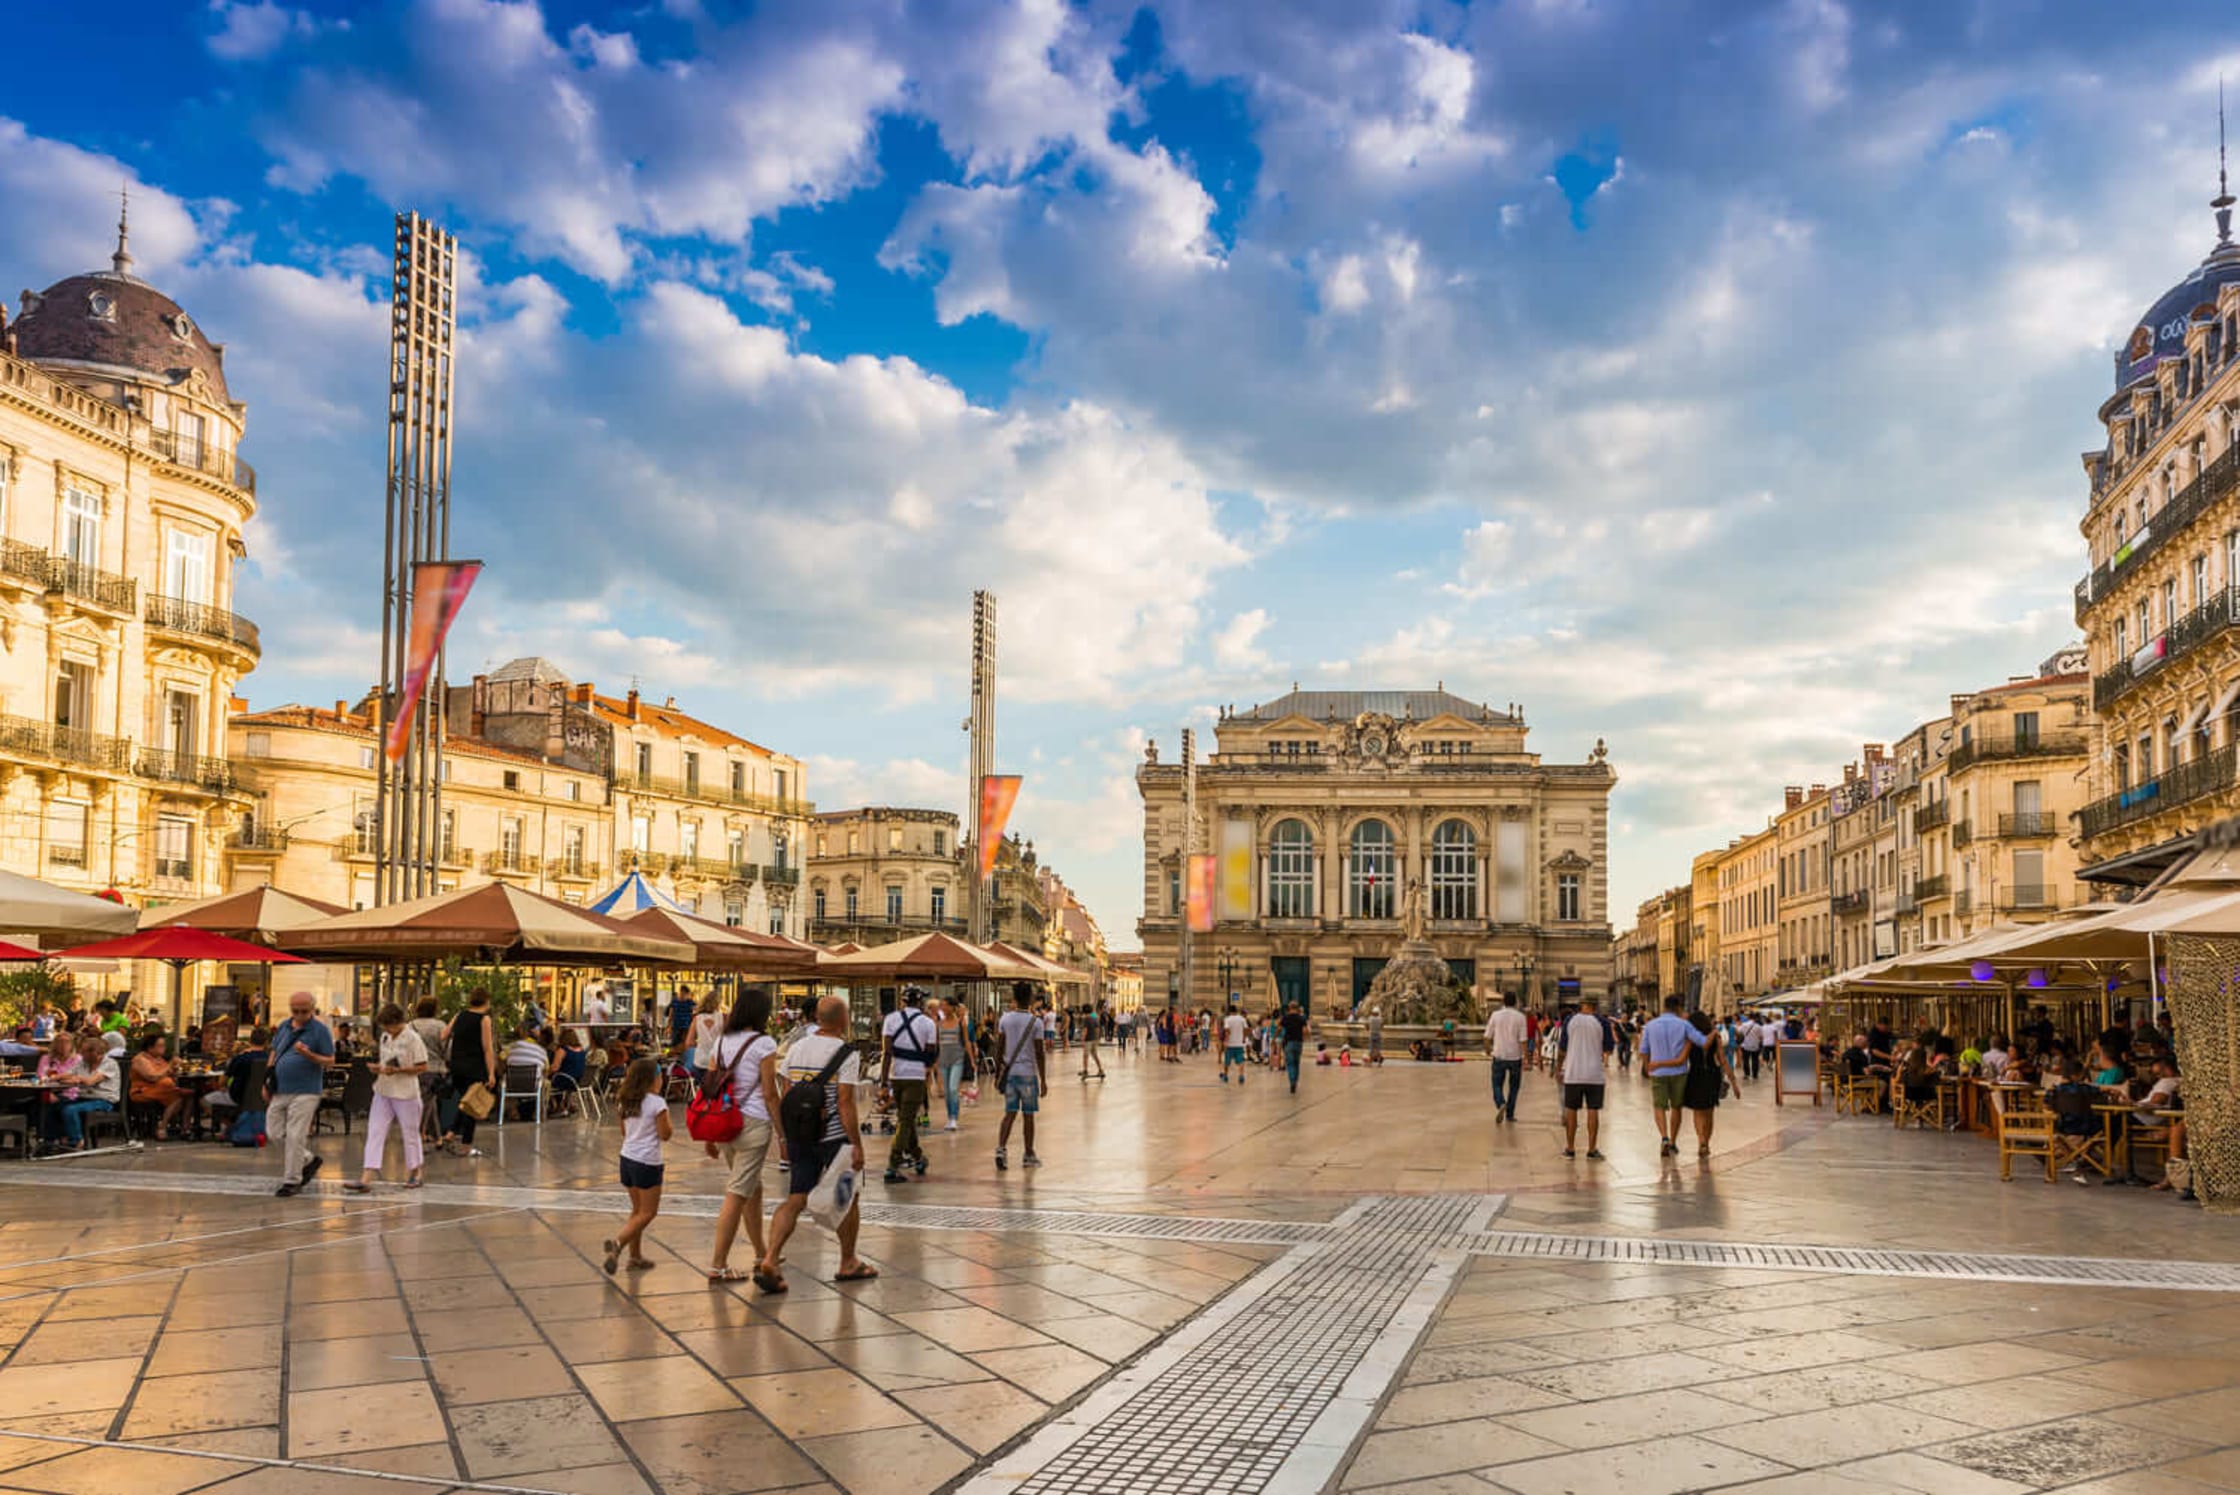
[
  {"x": 2222, "y": 202},
  {"x": 122, "y": 259}
]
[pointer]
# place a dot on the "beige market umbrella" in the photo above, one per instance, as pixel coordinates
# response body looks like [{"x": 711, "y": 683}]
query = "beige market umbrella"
[
  {"x": 260, "y": 915},
  {"x": 1050, "y": 970},
  {"x": 492, "y": 922},
  {"x": 725, "y": 947},
  {"x": 29, "y": 906},
  {"x": 932, "y": 957}
]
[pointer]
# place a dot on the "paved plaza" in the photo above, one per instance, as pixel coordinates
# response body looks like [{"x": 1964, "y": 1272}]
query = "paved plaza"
[{"x": 1367, "y": 1286}]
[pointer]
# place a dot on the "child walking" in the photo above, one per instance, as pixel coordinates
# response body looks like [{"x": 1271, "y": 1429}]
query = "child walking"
[{"x": 645, "y": 1126}]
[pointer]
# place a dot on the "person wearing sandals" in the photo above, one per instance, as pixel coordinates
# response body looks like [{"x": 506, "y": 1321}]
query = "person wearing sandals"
[
  {"x": 473, "y": 1043},
  {"x": 400, "y": 1058},
  {"x": 746, "y": 1050},
  {"x": 645, "y": 1126},
  {"x": 808, "y": 1155}
]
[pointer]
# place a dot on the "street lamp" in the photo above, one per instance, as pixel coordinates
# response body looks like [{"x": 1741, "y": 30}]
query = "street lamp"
[
  {"x": 1227, "y": 969},
  {"x": 1524, "y": 981}
]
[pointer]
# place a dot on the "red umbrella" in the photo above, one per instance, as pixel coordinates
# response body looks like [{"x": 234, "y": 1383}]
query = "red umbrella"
[{"x": 12, "y": 951}]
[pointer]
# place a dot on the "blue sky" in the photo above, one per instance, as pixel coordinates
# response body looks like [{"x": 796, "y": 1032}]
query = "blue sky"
[{"x": 1708, "y": 377}]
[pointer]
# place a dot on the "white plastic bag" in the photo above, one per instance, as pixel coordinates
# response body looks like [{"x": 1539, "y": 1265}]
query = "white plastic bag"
[{"x": 835, "y": 1193}]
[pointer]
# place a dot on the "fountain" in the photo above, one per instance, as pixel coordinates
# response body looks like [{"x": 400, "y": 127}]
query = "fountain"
[{"x": 1415, "y": 994}]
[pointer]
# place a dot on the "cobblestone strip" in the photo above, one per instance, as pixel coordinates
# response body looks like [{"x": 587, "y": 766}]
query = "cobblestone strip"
[
  {"x": 1266, "y": 1392},
  {"x": 2197, "y": 1276}
]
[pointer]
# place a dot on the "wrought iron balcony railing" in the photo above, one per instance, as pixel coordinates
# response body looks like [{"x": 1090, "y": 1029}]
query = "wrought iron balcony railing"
[
  {"x": 192, "y": 770},
  {"x": 1853, "y": 902},
  {"x": 1963, "y": 903},
  {"x": 28, "y": 737},
  {"x": 200, "y": 456},
  {"x": 1933, "y": 814},
  {"x": 784, "y": 877},
  {"x": 2206, "y": 774},
  {"x": 2025, "y": 827},
  {"x": 1984, "y": 749},
  {"x": 1926, "y": 888},
  {"x": 519, "y": 863},
  {"x": 707, "y": 793},
  {"x": 712, "y": 869},
  {"x": 177, "y": 615},
  {"x": 258, "y": 839},
  {"x": 2212, "y": 483},
  {"x": 1963, "y": 832},
  {"x": 2026, "y": 897},
  {"x": 88, "y": 583}
]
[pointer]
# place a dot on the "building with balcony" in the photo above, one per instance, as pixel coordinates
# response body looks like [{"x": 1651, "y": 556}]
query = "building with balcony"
[
  {"x": 1324, "y": 809},
  {"x": 123, "y": 509},
  {"x": 2015, "y": 780},
  {"x": 2162, "y": 534},
  {"x": 1862, "y": 834},
  {"x": 1747, "y": 879},
  {"x": 1633, "y": 957},
  {"x": 1806, "y": 922},
  {"x": 884, "y": 873},
  {"x": 717, "y": 821}
]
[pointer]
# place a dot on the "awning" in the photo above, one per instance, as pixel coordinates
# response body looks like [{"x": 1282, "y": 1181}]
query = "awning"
[
  {"x": 489, "y": 922},
  {"x": 29, "y": 906}
]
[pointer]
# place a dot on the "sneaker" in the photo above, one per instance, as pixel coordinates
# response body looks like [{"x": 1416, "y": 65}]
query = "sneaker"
[
  {"x": 1030, "y": 1161},
  {"x": 920, "y": 1166},
  {"x": 1000, "y": 1163},
  {"x": 893, "y": 1177},
  {"x": 311, "y": 1169},
  {"x": 1569, "y": 1153},
  {"x": 952, "y": 1126},
  {"x": 1224, "y": 1077},
  {"x": 288, "y": 1191},
  {"x": 1509, "y": 1116},
  {"x": 1594, "y": 1154}
]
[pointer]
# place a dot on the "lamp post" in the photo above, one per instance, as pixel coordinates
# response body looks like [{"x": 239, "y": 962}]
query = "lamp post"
[
  {"x": 1524, "y": 981},
  {"x": 1226, "y": 967}
]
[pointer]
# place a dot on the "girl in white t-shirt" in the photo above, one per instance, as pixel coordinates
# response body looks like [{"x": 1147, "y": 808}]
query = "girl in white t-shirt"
[{"x": 645, "y": 1126}]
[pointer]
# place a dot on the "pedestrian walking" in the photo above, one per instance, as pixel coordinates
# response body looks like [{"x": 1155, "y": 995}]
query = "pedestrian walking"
[
  {"x": 435, "y": 1083},
  {"x": 706, "y": 1024},
  {"x": 955, "y": 1062},
  {"x": 471, "y": 1039},
  {"x": 302, "y": 1053},
  {"x": 910, "y": 1043},
  {"x": 1236, "y": 1031},
  {"x": 1665, "y": 1046},
  {"x": 1585, "y": 1039},
  {"x": 1753, "y": 1042},
  {"x": 1090, "y": 1054},
  {"x": 1506, "y": 1039},
  {"x": 747, "y": 1052},
  {"x": 1294, "y": 1024},
  {"x": 400, "y": 1059},
  {"x": 817, "y": 1111},
  {"x": 1626, "y": 1035},
  {"x": 645, "y": 1126},
  {"x": 1710, "y": 1072},
  {"x": 1025, "y": 1069},
  {"x": 1376, "y": 1036}
]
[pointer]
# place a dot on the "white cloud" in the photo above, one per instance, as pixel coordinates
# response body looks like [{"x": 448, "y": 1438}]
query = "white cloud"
[
  {"x": 251, "y": 30},
  {"x": 1237, "y": 645}
]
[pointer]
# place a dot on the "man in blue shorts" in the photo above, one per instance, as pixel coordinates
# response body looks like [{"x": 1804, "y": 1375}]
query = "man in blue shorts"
[
  {"x": 1025, "y": 1069},
  {"x": 1235, "y": 1034}
]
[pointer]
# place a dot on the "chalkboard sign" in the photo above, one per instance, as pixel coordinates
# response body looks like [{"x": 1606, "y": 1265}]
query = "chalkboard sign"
[
  {"x": 220, "y": 1001},
  {"x": 1796, "y": 1071}
]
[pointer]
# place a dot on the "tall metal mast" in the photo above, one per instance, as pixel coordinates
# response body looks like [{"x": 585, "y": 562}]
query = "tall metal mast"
[
  {"x": 1188, "y": 961},
  {"x": 982, "y": 725},
  {"x": 408, "y": 807}
]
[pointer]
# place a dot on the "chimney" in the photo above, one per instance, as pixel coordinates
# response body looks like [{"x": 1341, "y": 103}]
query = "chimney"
[
  {"x": 342, "y": 708},
  {"x": 630, "y": 704},
  {"x": 1792, "y": 795},
  {"x": 1874, "y": 751},
  {"x": 584, "y": 693},
  {"x": 1817, "y": 791},
  {"x": 1851, "y": 773}
]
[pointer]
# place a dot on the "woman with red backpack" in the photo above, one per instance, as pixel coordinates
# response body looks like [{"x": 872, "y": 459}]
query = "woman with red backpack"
[{"x": 731, "y": 1115}]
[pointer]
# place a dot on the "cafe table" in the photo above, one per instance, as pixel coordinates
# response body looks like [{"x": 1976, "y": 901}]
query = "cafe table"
[{"x": 2117, "y": 1133}]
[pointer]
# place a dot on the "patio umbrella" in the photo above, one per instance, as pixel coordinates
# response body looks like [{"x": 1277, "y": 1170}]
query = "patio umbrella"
[
  {"x": 723, "y": 946},
  {"x": 630, "y": 896},
  {"x": 29, "y": 906},
  {"x": 489, "y": 922},
  {"x": 12, "y": 951},
  {"x": 260, "y": 915},
  {"x": 930, "y": 957},
  {"x": 179, "y": 946},
  {"x": 1049, "y": 969}
]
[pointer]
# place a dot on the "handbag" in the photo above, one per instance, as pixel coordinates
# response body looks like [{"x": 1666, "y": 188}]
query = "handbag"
[
  {"x": 479, "y": 1101},
  {"x": 712, "y": 1115},
  {"x": 835, "y": 1193}
]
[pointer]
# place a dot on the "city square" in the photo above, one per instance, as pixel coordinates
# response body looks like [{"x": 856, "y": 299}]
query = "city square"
[{"x": 1049, "y": 747}]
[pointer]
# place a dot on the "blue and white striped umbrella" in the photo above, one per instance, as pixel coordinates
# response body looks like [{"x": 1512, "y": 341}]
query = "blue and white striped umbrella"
[{"x": 633, "y": 895}]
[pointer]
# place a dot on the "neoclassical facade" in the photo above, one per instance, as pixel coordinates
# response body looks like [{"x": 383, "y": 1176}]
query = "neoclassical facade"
[
  {"x": 2161, "y": 601},
  {"x": 1322, "y": 807},
  {"x": 884, "y": 873},
  {"x": 123, "y": 508}
]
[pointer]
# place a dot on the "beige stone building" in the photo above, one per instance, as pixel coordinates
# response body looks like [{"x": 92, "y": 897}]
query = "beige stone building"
[
  {"x": 2158, "y": 604},
  {"x": 1804, "y": 943},
  {"x": 1675, "y": 941},
  {"x": 1329, "y": 806},
  {"x": 717, "y": 821},
  {"x": 1633, "y": 956},
  {"x": 1706, "y": 965},
  {"x": 123, "y": 508},
  {"x": 884, "y": 873},
  {"x": 1748, "y": 877},
  {"x": 1126, "y": 974},
  {"x": 2016, "y": 778},
  {"x": 1854, "y": 847}
]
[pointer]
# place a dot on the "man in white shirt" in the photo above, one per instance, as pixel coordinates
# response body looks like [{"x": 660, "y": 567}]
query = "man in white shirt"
[
  {"x": 597, "y": 1010},
  {"x": 912, "y": 1042},
  {"x": 1235, "y": 1033},
  {"x": 1585, "y": 1040},
  {"x": 1751, "y": 1039},
  {"x": 1505, "y": 1040}
]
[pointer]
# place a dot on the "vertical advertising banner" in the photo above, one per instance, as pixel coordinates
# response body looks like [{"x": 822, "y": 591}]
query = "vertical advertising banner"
[
  {"x": 998, "y": 792},
  {"x": 1235, "y": 901},
  {"x": 439, "y": 590},
  {"x": 1198, "y": 894}
]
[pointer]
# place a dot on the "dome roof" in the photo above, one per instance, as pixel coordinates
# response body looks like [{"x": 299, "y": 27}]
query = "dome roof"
[
  {"x": 113, "y": 320},
  {"x": 2161, "y": 333}
]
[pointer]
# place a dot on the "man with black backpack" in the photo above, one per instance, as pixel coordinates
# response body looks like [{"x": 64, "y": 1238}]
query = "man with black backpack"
[
  {"x": 818, "y": 1115},
  {"x": 911, "y": 1042}
]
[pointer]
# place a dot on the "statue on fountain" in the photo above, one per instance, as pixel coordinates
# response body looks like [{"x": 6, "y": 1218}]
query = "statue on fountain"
[{"x": 1416, "y": 988}]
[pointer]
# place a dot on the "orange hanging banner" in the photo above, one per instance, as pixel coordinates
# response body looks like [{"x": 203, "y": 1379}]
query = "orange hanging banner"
[
  {"x": 439, "y": 590},
  {"x": 1198, "y": 894},
  {"x": 998, "y": 792}
]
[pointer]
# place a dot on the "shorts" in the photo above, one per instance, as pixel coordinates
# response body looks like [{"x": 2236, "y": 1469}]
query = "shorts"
[
  {"x": 1232, "y": 1055},
  {"x": 1022, "y": 1095},
  {"x": 1668, "y": 1092},
  {"x": 745, "y": 1155},
  {"x": 805, "y": 1165},
  {"x": 637, "y": 1175},
  {"x": 1575, "y": 1096}
]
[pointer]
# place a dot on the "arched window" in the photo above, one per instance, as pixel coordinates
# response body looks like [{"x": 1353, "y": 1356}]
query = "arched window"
[
  {"x": 1369, "y": 867},
  {"x": 1454, "y": 871},
  {"x": 1291, "y": 871}
]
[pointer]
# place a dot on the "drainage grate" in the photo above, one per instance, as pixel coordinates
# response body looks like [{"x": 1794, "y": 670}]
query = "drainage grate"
[
  {"x": 1085, "y": 1222},
  {"x": 1228, "y": 1403},
  {"x": 2199, "y": 1276}
]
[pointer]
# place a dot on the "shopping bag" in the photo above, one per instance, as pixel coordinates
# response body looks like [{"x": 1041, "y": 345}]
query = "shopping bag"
[
  {"x": 479, "y": 1101},
  {"x": 835, "y": 1193},
  {"x": 969, "y": 1093}
]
